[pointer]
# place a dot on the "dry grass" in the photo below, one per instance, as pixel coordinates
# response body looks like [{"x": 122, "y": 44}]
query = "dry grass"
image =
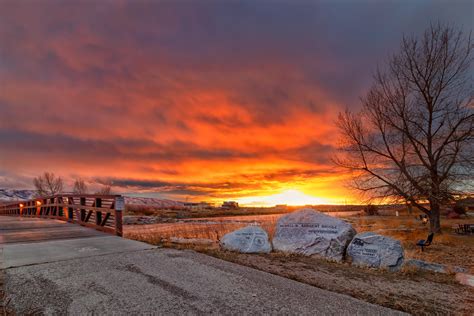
[
  {"x": 143, "y": 210},
  {"x": 207, "y": 228},
  {"x": 448, "y": 248},
  {"x": 410, "y": 290}
]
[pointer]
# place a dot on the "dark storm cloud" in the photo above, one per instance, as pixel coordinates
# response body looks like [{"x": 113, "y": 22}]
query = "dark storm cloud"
[{"x": 21, "y": 142}]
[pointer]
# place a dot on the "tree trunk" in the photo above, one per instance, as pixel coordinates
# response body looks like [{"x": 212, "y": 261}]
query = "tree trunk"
[
  {"x": 409, "y": 207},
  {"x": 435, "y": 226}
]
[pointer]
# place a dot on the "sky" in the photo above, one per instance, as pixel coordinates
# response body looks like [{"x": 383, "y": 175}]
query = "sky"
[{"x": 194, "y": 100}]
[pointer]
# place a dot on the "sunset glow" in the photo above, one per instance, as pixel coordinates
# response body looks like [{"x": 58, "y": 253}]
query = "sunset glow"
[
  {"x": 188, "y": 102},
  {"x": 288, "y": 197}
]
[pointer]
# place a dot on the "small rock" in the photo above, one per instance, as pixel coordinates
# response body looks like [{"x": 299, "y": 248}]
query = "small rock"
[
  {"x": 309, "y": 232},
  {"x": 457, "y": 269},
  {"x": 194, "y": 241},
  {"x": 376, "y": 251},
  {"x": 428, "y": 266},
  {"x": 250, "y": 239},
  {"x": 466, "y": 279}
]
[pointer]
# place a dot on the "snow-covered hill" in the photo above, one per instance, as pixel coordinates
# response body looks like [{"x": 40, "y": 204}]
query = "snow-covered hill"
[
  {"x": 16, "y": 195},
  {"x": 153, "y": 202},
  {"x": 7, "y": 195}
]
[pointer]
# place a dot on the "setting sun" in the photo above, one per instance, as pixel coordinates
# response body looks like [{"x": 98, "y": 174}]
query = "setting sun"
[{"x": 289, "y": 197}]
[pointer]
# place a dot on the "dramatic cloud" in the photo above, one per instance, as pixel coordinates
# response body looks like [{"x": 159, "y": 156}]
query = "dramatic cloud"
[{"x": 199, "y": 99}]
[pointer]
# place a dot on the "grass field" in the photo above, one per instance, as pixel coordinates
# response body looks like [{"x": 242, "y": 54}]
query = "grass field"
[
  {"x": 410, "y": 290},
  {"x": 447, "y": 248}
]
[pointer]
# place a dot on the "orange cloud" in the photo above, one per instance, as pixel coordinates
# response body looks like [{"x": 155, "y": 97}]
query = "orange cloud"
[{"x": 206, "y": 101}]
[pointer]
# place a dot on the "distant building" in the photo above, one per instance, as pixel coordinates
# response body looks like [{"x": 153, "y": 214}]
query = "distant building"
[
  {"x": 197, "y": 206},
  {"x": 230, "y": 205},
  {"x": 466, "y": 203}
]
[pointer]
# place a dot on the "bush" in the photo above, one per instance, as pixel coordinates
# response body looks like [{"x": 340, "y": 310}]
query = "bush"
[
  {"x": 140, "y": 210},
  {"x": 459, "y": 210},
  {"x": 371, "y": 210}
]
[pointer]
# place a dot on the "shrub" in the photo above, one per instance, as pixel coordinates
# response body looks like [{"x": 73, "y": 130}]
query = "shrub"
[
  {"x": 458, "y": 209},
  {"x": 371, "y": 210}
]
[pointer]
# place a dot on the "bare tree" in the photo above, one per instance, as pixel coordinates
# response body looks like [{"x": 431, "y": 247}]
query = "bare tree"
[
  {"x": 106, "y": 189},
  {"x": 413, "y": 139},
  {"x": 80, "y": 186},
  {"x": 48, "y": 184}
]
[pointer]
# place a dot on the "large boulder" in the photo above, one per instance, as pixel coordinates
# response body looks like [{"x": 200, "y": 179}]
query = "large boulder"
[
  {"x": 376, "y": 251},
  {"x": 309, "y": 232},
  {"x": 250, "y": 239}
]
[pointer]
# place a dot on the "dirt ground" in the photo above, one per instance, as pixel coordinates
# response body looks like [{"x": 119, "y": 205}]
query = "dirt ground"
[{"x": 415, "y": 292}]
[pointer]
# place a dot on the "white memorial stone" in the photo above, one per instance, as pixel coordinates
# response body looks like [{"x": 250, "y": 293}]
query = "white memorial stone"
[
  {"x": 250, "y": 239},
  {"x": 309, "y": 232},
  {"x": 376, "y": 251}
]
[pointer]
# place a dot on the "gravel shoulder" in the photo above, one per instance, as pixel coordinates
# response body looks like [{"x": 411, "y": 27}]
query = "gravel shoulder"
[{"x": 168, "y": 281}]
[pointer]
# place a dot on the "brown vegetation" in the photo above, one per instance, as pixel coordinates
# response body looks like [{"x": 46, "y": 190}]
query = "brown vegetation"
[
  {"x": 448, "y": 248},
  {"x": 181, "y": 213},
  {"x": 414, "y": 291}
]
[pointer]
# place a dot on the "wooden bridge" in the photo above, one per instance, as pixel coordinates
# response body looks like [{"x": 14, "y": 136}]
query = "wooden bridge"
[
  {"x": 62, "y": 227},
  {"x": 65, "y": 255},
  {"x": 101, "y": 212}
]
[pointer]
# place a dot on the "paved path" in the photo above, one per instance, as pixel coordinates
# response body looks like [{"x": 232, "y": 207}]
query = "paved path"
[{"x": 103, "y": 274}]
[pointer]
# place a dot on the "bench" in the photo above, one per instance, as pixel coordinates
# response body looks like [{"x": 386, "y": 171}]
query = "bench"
[
  {"x": 425, "y": 243},
  {"x": 464, "y": 229}
]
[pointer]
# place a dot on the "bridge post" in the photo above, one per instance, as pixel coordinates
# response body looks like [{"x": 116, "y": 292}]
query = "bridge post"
[
  {"x": 98, "y": 214},
  {"x": 119, "y": 205},
  {"x": 70, "y": 210},
  {"x": 38, "y": 207},
  {"x": 83, "y": 211}
]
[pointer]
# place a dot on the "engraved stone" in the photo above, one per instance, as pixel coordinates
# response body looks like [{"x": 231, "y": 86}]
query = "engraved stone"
[
  {"x": 250, "y": 239},
  {"x": 309, "y": 232},
  {"x": 376, "y": 251}
]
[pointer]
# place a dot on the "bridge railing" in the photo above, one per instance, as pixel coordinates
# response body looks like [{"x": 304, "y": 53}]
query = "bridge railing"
[{"x": 102, "y": 212}]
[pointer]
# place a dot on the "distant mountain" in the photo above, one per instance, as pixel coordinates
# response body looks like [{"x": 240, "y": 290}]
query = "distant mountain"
[
  {"x": 153, "y": 202},
  {"x": 7, "y": 195},
  {"x": 16, "y": 195}
]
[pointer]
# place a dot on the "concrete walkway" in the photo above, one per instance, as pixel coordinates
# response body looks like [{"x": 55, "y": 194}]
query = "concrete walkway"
[{"x": 103, "y": 274}]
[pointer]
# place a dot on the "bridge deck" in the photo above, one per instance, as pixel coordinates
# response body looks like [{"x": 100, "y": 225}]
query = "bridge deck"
[
  {"x": 29, "y": 240},
  {"x": 31, "y": 229}
]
